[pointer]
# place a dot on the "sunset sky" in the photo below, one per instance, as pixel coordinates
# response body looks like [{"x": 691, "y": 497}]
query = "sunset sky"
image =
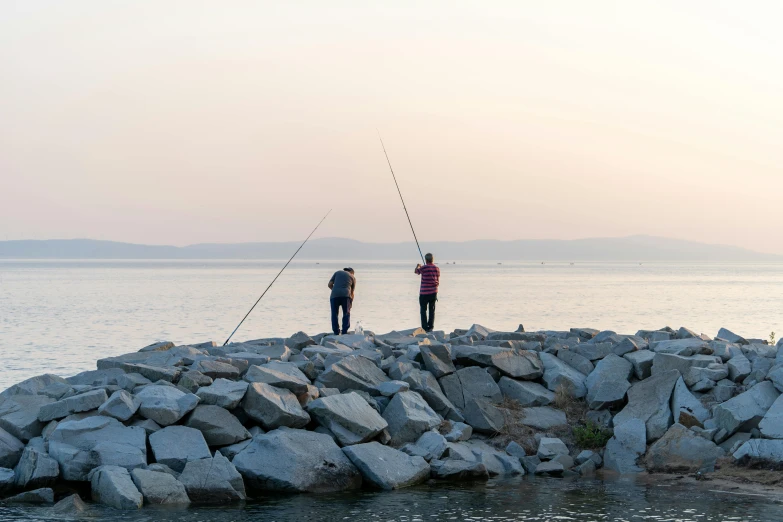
[{"x": 176, "y": 122}]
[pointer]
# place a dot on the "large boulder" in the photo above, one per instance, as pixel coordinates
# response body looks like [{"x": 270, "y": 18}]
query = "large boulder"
[
  {"x": 218, "y": 425},
  {"x": 279, "y": 375},
  {"x": 224, "y": 393},
  {"x": 387, "y": 468},
  {"x": 684, "y": 347},
  {"x": 216, "y": 369},
  {"x": 6, "y": 481},
  {"x": 745, "y": 411},
  {"x": 687, "y": 409},
  {"x": 37, "y": 496},
  {"x": 113, "y": 486},
  {"x": 728, "y": 335},
  {"x": 649, "y": 401},
  {"x": 681, "y": 450},
  {"x": 515, "y": 364},
  {"x": 593, "y": 351},
  {"x": 437, "y": 359},
  {"x": 36, "y": 469},
  {"x": 642, "y": 362},
  {"x": 78, "y": 403},
  {"x": 457, "y": 470},
  {"x": 19, "y": 413},
  {"x": 82, "y": 445},
  {"x": 165, "y": 405},
  {"x": 408, "y": 416},
  {"x": 159, "y": 488},
  {"x": 664, "y": 362},
  {"x": 470, "y": 383},
  {"x": 526, "y": 393},
  {"x": 558, "y": 374},
  {"x": 274, "y": 407},
  {"x": 626, "y": 446},
  {"x": 771, "y": 426},
  {"x": 608, "y": 383},
  {"x": 353, "y": 373},
  {"x": 543, "y": 418},
  {"x": 11, "y": 449},
  {"x": 425, "y": 384},
  {"x": 497, "y": 462},
  {"x": 296, "y": 461},
  {"x": 763, "y": 449},
  {"x": 213, "y": 480},
  {"x": 483, "y": 416},
  {"x": 578, "y": 362},
  {"x": 121, "y": 405},
  {"x": 349, "y": 417},
  {"x": 175, "y": 446}
]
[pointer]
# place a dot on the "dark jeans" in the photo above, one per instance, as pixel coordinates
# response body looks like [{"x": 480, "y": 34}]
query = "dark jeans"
[
  {"x": 425, "y": 302},
  {"x": 337, "y": 303}
]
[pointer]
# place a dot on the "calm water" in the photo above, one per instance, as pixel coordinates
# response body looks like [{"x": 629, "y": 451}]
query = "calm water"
[
  {"x": 520, "y": 500},
  {"x": 60, "y": 316}
]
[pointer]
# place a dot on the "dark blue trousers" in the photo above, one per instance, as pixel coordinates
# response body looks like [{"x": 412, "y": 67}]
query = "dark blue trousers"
[{"x": 344, "y": 303}]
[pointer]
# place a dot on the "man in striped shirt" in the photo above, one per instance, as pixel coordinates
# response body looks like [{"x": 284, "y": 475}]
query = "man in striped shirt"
[{"x": 428, "y": 295}]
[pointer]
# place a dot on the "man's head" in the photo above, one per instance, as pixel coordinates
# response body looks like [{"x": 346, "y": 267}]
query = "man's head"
[
  {"x": 428, "y": 258},
  {"x": 349, "y": 269}
]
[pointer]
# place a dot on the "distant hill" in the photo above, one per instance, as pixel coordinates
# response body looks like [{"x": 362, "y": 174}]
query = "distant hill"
[{"x": 632, "y": 248}]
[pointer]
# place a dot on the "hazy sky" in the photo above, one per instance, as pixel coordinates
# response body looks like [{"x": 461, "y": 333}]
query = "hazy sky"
[{"x": 183, "y": 121}]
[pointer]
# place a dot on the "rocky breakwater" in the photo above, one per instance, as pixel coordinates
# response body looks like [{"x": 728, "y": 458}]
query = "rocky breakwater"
[{"x": 210, "y": 424}]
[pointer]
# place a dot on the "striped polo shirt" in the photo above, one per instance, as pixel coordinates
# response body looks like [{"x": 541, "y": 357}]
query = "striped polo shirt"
[{"x": 430, "y": 278}]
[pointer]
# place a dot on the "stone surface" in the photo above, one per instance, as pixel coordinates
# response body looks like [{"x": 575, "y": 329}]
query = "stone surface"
[
  {"x": 387, "y": 468},
  {"x": 483, "y": 416},
  {"x": 526, "y": 393},
  {"x": 165, "y": 405},
  {"x": 175, "y": 446},
  {"x": 113, "y": 486},
  {"x": 549, "y": 448},
  {"x": 409, "y": 416},
  {"x": 293, "y": 461},
  {"x": 348, "y": 417},
  {"x": 593, "y": 351},
  {"x": 642, "y": 362},
  {"x": 159, "y": 488},
  {"x": 434, "y": 445},
  {"x": 649, "y": 401},
  {"x": 459, "y": 431},
  {"x": 121, "y": 405},
  {"x": 543, "y": 418},
  {"x": 216, "y": 369},
  {"x": 37, "y": 496},
  {"x": 213, "y": 480},
  {"x": 687, "y": 409},
  {"x": 279, "y": 375},
  {"x": 72, "y": 506},
  {"x": 36, "y": 469},
  {"x": 11, "y": 449},
  {"x": 771, "y": 426},
  {"x": 626, "y": 446},
  {"x": 273, "y": 407},
  {"x": 557, "y": 374},
  {"x": 19, "y": 414},
  {"x": 728, "y": 335},
  {"x": 389, "y": 388},
  {"x": 608, "y": 383},
  {"x": 75, "y": 404},
  {"x": 746, "y": 410},
  {"x": 664, "y": 362},
  {"x": 739, "y": 367},
  {"x": 224, "y": 393},
  {"x": 682, "y": 451},
  {"x": 437, "y": 360},
  {"x": 551, "y": 468},
  {"x": 218, "y": 426},
  {"x": 579, "y": 362},
  {"x": 458, "y": 470},
  {"x": 425, "y": 384},
  {"x": 764, "y": 449},
  {"x": 353, "y": 373}
]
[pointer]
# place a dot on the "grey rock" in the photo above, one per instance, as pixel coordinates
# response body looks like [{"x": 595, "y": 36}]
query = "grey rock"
[
  {"x": 7, "y": 482},
  {"x": 728, "y": 335},
  {"x": 224, "y": 393},
  {"x": 296, "y": 461},
  {"x": 193, "y": 380},
  {"x": 586, "y": 455},
  {"x": 458, "y": 470},
  {"x": 771, "y": 426},
  {"x": 159, "y": 488},
  {"x": 648, "y": 401},
  {"x": 121, "y": 405},
  {"x": 593, "y": 351},
  {"x": 608, "y": 383},
  {"x": 627, "y": 345},
  {"x": 664, "y": 362},
  {"x": 37, "y": 496},
  {"x": 579, "y": 362},
  {"x": 71, "y": 506},
  {"x": 149, "y": 426},
  {"x": 687, "y": 409},
  {"x": 515, "y": 450},
  {"x": 437, "y": 359},
  {"x": 113, "y": 486},
  {"x": 459, "y": 431},
  {"x": 353, "y": 372},
  {"x": 543, "y": 418},
  {"x": 530, "y": 464},
  {"x": 764, "y": 449},
  {"x": 746, "y": 410},
  {"x": 549, "y": 448},
  {"x": 36, "y": 469},
  {"x": 175, "y": 446},
  {"x": 602, "y": 418},
  {"x": 409, "y": 416},
  {"x": 273, "y": 407},
  {"x": 682, "y": 451},
  {"x": 387, "y": 468},
  {"x": 19, "y": 414},
  {"x": 399, "y": 368},
  {"x": 218, "y": 426},
  {"x": 739, "y": 368},
  {"x": 587, "y": 468},
  {"x": 414, "y": 451},
  {"x": 425, "y": 384},
  {"x": 153, "y": 373},
  {"x": 526, "y": 393},
  {"x": 213, "y": 480},
  {"x": 276, "y": 374},
  {"x": 158, "y": 347},
  {"x": 161, "y": 468},
  {"x": 349, "y": 417},
  {"x": 642, "y": 362},
  {"x": 11, "y": 449},
  {"x": 32, "y": 386},
  {"x": 470, "y": 383},
  {"x": 626, "y": 446},
  {"x": 389, "y": 388},
  {"x": 551, "y": 468},
  {"x": 129, "y": 381},
  {"x": 558, "y": 374},
  {"x": 585, "y": 333},
  {"x": 731, "y": 444},
  {"x": 164, "y": 404},
  {"x": 714, "y": 372},
  {"x": 434, "y": 445},
  {"x": 483, "y": 416},
  {"x": 775, "y": 375},
  {"x": 566, "y": 460},
  {"x": 684, "y": 347},
  {"x": 216, "y": 369}
]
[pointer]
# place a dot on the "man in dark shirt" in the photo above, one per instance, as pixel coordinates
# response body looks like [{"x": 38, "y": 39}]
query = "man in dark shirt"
[
  {"x": 343, "y": 285},
  {"x": 428, "y": 295}
]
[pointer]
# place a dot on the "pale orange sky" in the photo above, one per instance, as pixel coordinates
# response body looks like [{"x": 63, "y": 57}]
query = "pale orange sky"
[{"x": 181, "y": 121}]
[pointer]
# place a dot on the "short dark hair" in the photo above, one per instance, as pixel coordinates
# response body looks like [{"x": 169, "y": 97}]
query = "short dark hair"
[
  {"x": 349, "y": 269},
  {"x": 428, "y": 257}
]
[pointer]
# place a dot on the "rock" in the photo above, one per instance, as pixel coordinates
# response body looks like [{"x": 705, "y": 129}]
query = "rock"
[
  {"x": 193, "y": 380},
  {"x": 458, "y": 470},
  {"x": 664, "y": 362},
  {"x": 469, "y": 383},
  {"x": 36, "y": 469},
  {"x": 648, "y": 401},
  {"x": 153, "y": 373},
  {"x": 276, "y": 374},
  {"x": 626, "y": 446},
  {"x": 682, "y": 451},
  {"x": 728, "y": 335},
  {"x": 739, "y": 368},
  {"x": 299, "y": 340},
  {"x": 79, "y": 446},
  {"x": 642, "y": 362},
  {"x": 437, "y": 360},
  {"x": 32, "y": 386},
  {"x": 19, "y": 414},
  {"x": 409, "y": 416},
  {"x": 213, "y": 480},
  {"x": 459, "y": 431},
  {"x": 578, "y": 362},
  {"x": 121, "y": 405},
  {"x": 543, "y": 418},
  {"x": 687, "y": 409},
  {"x": 557, "y": 374},
  {"x": 425, "y": 384},
  {"x": 224, "y": 393},
  {"x": 164, "y": 404},
  {"x": 161, "y": 468},
  {"x": 414, "y": 451},
  {"x": 71, "y": 506},
  {"x": 7, "y": 482},
  {"x": 530, "y": 464},
  {"x": 715, "y": 373},
  {"x": 566, "y": 460},
  {"x": 520, "y": 364},
  {"x": 483, "y": 416},
  {"x": 399, "y": 368},
  {"x": 627, "y": 345},
  {"x": 11, "y": 449},
  {"x": 733, "y": 443},
  {"x": 434, "y": 445},
  {"x": 175, "y": 446},
  {"x": 387, "y": 468},
  {"x": 585, "y": 333},
  {"x": 353, "y": 372},
  {"x": 217, "y": 425},
  {"x": 389, "y": 388},
  {"x": 112, "y": 486},
  {"x": 764, "y": 449},
  {"x": 349, "y": 417},
  {"x": 296, "y": 461},
  {"x": 76, "y": 404},
  {"x": 273, "y": 407},
  {"x": 549, "y": 448},
  {"x": 216, "y": 369},
  {"x": 149, "y": 426},
  {"x": 771, "y": 426},
  {"x": 684, "y": 347},
  {"x": 159, "y": 488},
  {"x": 37, "y": 496},
  {"x": 746, "y": 410},
  {"x": 593, "y": 351},
  {"x": 586, "y": 455},
  {"x": 158, "y": 347},
  {"x": 602, "y": 419},
  {"x": 526, "y": 393},
  {"x": 515, "y": 450},
  {"x": 551, "y": 468},
  {"x": 608, "y": 383}
]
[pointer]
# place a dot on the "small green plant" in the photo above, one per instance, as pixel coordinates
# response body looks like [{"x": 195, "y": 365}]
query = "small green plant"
[
  {"x": 772, "y": 338},
  {"x": 591, "y": 436}
]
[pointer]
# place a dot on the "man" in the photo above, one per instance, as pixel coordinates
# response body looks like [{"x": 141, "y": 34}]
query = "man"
[
  {"x": 343, "y": 285},
  {"x": 428, "y": 295}
]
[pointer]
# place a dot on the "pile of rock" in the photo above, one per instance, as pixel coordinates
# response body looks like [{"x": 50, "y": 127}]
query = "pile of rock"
[{"x": 204, "y": 423}]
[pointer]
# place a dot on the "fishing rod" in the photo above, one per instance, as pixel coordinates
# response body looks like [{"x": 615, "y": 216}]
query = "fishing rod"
[
  {"x": 275, "y": 279},
  {"x": 403, "y": 201}
]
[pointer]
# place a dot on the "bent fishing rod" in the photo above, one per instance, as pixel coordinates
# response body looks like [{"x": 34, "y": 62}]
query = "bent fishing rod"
[
  {"x": 401, "y": 199},
  {"x": 275, "y": 279}
]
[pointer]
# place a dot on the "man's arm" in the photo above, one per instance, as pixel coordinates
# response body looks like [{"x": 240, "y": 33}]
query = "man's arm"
[
  {"x": 331, "y": 283},
  {"x": 353, "y": 287},
  {"x": 417, "y": 271}
]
